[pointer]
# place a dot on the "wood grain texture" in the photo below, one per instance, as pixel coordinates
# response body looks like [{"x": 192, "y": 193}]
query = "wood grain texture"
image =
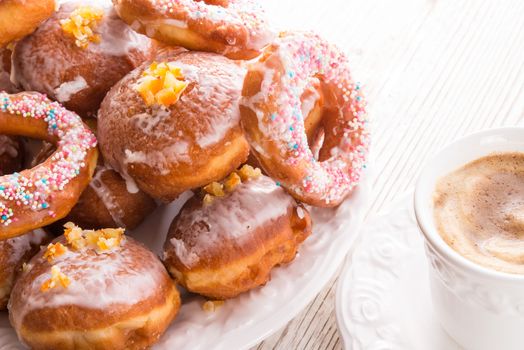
[{"x": 433, "y": 70}]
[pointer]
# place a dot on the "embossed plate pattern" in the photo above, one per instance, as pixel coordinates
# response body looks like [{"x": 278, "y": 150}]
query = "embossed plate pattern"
[{"x": 383, "y": 298}]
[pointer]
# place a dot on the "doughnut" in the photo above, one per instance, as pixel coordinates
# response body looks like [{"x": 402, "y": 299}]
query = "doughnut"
[
  {"x": 44, "y": 194},
  {"x": 19, "y": 18},
  {"x": 236, "y": 28},
  {"x": 78, "y": 71},
  {"x": 273, "y": 120},
  {"x": 228, "y": 241},
  {"x": 14, "y": 252},
  {"x": 11, "y": 154},
  {"x": 5, "y": 71},
  {"x": 109, "y": 202},
  {"x": 93, "y": 290},
  {"x": 174, "y": 124}
]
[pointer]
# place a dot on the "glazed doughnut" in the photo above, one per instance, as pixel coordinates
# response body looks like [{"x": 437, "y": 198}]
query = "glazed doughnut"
[
  {"x": 274, "y": 125},
  {"x": 39, "y": 196},
  {"x": 19, "y": 18},
  {"x": 108, "y": 201},
  {"x": 11, "y": 154},
  {"x": 236, "y": 28},
  {"x": 93, "y": 290},
  {"x": 14, "y": 252},
  {"x": 5, "y": 71},
  {"x": 79, "y": 72},
  {"x": 228, "y": 242},
  {"x": 181, "y": 134}
]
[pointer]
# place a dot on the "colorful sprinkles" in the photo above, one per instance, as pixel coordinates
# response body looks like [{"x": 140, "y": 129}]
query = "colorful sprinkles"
[
  {"x": 239, "y": 16},
  {"x": 304, "y": 55},
  {"x": 34, "y": 189}
]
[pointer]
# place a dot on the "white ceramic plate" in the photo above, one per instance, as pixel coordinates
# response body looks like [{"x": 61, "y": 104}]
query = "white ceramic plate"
[
  {"x": 245, "y": 321},
  {"x": 383, "y": 299}
]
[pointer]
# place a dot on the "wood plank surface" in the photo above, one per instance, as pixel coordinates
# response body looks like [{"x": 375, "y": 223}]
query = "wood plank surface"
[{"x": 432, "y": 70}]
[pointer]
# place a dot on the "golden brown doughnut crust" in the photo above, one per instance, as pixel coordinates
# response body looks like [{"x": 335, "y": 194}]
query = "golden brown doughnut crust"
[
  {"x": 11, "y": 154},
  {"x": 13, "y": 253},
  {"x": 230, "y": 246},
  {"x": 19, "y": 18},
  {"x": 168, "y": 150},
  {"x": 122, "y": 299},
  {"x": 50, "y": 62}
]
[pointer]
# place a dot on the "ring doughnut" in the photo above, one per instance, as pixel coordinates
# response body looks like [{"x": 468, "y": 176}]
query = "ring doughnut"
[
  {"x": 11, "y": 154},
  {"x": 44, "y": 194},
  {"x": 93, "y": 290},
  {"x": 14, "y": 252},
  {"x": 228, "y": 241},
  {"x": 19, "y": 18},
  {"x": 178, "y": 136},
  {"x": 235, "y": 28},
  {"x": 273, "y": 120},
  {"x": 78, "y": 65}
]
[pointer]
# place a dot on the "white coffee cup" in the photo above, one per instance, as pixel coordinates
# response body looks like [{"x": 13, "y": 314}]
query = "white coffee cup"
[{"x": 481, "y": 308}]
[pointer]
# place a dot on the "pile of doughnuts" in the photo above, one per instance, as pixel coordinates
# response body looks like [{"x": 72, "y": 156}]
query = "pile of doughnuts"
[{"x": 108, "y": 110}]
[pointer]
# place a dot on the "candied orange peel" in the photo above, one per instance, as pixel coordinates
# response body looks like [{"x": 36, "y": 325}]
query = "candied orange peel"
[
  {"x": 81, "y": 25},
  {"x": 57, "y": 279},
  {"x": 101, "y": 240},
  {"x": 247, "y": 172},
  {"x": 162, "y": 83},
  {"x": 212, "y": 305},
  {"x": 54, "y": 251},
  {"x": 220, "y": 189}
]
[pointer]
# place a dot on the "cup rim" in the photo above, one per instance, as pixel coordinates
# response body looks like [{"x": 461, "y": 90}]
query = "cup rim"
[{"x": 430, "y": 231}]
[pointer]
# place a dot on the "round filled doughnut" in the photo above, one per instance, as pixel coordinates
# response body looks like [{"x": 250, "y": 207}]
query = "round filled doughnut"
[
  {"x": 110, "y": 202},
  {"x": 78, "y": 54},
  {"x": 19, "y": 18},
  {"x": 174, "y": 124},
  {"x": 14, "y": 252},
  {"x": 93, "y": 290},
  {"x": 11, "y": 154},
  {"x": 236, "y": 28},
  {"x": 227, "y": 242},
  {"x": 44, "y": 194},
  {"x": 273, "y": 120}
]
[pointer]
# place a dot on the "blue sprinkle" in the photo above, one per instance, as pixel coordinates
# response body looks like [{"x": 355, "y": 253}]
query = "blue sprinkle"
[
  {"x": 273, "y": 116},
  {"x": 45, "y": 205},
  {"x": 277, "y": 183},
  {"x": 4, "y": 217}
]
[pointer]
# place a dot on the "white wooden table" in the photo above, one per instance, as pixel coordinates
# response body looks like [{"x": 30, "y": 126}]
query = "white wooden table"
[{"x": 433, "y": 70}]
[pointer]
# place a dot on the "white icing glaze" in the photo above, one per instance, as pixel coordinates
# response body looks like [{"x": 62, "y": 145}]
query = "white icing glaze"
[
  {"x": 252, "y": 204},
  {"x": 66, "y": 90},
  {"x": 122, "y": 276},
  {"x": 22, "y": 244},
  {"x": 161, "y": 160},
  {"x": 106, "y": 195}
]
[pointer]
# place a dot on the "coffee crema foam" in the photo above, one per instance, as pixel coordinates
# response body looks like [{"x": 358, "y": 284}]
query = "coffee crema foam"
[{"x": 479, "y": 211}]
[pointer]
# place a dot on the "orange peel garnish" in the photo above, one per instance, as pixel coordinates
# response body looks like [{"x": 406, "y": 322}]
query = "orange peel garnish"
[
  {"x": 162, "y": 83},
  {"x": 81, "y": 25},
  {"x": 102, "y": 240},
  {"x": 54, "y": 250},
  {"x": 57, "y": 279}
]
